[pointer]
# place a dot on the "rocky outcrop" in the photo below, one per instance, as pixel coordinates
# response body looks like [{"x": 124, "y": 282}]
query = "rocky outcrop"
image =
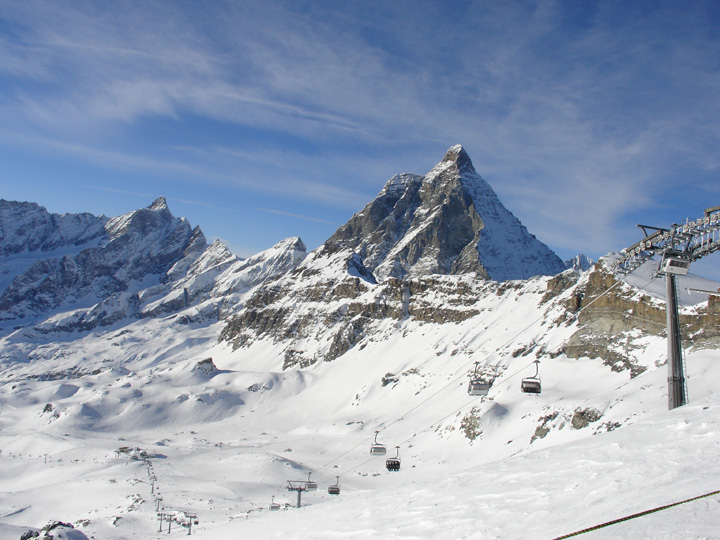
[{"x": 612, "y": 316}]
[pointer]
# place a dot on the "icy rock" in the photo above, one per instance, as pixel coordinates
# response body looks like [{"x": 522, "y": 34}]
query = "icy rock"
[
  {"x": 56, "y": 530},
  {"x": 584, "y": 417},
  {"x": 206, "y": 367}
]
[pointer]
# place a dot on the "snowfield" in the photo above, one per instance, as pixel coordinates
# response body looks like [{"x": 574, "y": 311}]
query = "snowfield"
[{"x": 107, "y": 429}]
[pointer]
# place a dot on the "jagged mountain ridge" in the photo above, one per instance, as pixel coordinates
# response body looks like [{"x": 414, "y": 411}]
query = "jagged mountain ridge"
[
  {"x": 146, "y": 242},
  {"x": 83, "y": 271},
  {"x": 580, "y": 262},
  {"x": 26, "y": 226},
  {"x": 401, "y": 257},
  {"x": 449, "y": 221},
  {"x": 29, "y": 233}
]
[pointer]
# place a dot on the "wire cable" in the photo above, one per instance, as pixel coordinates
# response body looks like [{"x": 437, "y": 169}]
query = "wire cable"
[{"x": 455, "y": 377}]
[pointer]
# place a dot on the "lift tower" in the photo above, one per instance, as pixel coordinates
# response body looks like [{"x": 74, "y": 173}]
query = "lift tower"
[
  {"x": 674, "y": 265},
  {"x": 679, "y": 246}
]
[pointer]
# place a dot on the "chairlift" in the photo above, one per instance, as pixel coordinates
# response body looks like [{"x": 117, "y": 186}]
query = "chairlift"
[
  {"x": 274, "y": 507},
  {"x": 478, "y": 386},
  {"x": 531, "y": 385},
  {"x": 309, "y": 485},
  {"x": 675, "y": 265},
  {"x": 393, "y": 464},
  {"x": 377, "y": 449},
  {"x": 335, "y": 490}
]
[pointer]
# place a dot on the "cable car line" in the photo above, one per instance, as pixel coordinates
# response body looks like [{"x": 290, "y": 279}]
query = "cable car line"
[
  {"x": 455, "y": 377},
  {"x": 463, "y": 406}
]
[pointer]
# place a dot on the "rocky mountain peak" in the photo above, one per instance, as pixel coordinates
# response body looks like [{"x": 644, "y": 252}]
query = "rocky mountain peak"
[
  {"x": 159, "y": 204},
  {"x": 458, "y": 158},
  {"x": 145, "y": 221},
  {"x": 294, "y": 243},
  {"x": 448, "y": 222},
  {"x": 580, "y": 263}
]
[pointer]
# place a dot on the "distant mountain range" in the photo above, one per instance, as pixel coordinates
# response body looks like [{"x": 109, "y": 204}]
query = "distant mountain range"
[{"x": 80, "y": 271}]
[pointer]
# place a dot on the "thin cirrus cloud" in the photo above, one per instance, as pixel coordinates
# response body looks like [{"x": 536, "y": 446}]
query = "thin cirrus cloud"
[{"x": 582, "y": 116}]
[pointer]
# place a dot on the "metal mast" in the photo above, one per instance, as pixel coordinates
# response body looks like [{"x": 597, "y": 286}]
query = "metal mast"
[
  {"x": 677, "y": 396},
  {"x": 679, "y": 245}
]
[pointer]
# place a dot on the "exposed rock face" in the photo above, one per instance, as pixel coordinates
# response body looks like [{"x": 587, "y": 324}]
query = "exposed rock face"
[
  {"x": 29, "y": 227},
  {"x": 341, "y": 311},
  {"x": 584, "y": 417},
  {"x": 609, "y": 323},
  {"x": 447, "y": 222},
  {"x": 206, "y": 367}
]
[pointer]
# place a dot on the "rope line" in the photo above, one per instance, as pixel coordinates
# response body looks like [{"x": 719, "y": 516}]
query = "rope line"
[
  {"x": 633, "y": 516},
  {"x": 455, "y": 411},
  {"x": 453, "y": 380}
]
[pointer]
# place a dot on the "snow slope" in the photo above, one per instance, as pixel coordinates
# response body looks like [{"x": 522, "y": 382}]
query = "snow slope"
[{"x": 596, "y": 445}]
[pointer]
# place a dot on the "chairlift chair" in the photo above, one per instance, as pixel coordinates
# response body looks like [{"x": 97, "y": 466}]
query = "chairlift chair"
[
  {"x": 377, "y": 449},
  {"x": 274, "y": 507},
  {"x": 393, "y": 464},
  {"x": 531, "y": 385},
  {"x": 478, "y": 386},
  {"x": 335, "y": 490},
  {"x": 309, "y": 485}
]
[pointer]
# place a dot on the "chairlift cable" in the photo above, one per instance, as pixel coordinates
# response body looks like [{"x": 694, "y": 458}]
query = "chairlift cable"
[
  {"x": 401, "y": 417},
  {"x": 455, "y": 377},
  {"x": 507, "y": 379},
  {"x": 464, "y": 405}
]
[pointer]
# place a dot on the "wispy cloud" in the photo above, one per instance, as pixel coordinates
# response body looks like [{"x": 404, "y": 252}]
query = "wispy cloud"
[
  {"x": 122, "y": 191},
  {"x": 579, "y": 115},
  {"x": 298, "y": 216}
]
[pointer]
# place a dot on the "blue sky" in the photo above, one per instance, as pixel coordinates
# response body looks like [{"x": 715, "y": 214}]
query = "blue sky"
[{"x": 263, "y": 120}]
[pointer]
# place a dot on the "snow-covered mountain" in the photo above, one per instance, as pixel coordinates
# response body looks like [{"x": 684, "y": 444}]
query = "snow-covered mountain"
[
  {"x": 223, "y": 430},
  {"x": 580, "y": 262},
  {"x": 446, "y": 231},
  {"x": 77, "y": 272},
  {"x": 448, "y": 222},
  {"x": 186, "y": 391}
]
